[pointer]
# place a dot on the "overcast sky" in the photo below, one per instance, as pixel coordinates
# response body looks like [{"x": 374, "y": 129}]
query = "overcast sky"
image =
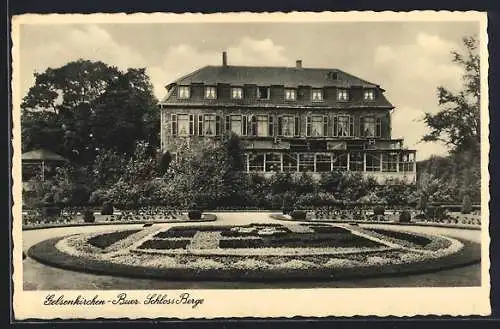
[{"x": 408, "y": 59}]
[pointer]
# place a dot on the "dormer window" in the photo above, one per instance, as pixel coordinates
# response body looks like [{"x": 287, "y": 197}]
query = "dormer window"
[
  {"x": 263, "y": 93},
  {"x": 369, "y": 95},
  {"x": 210, "y": 93},
  {"x": 183, "y": 92},
  {"x": 317, "y": 95},
  {"x": 236, "y": 93},
  {"x": 290, "y": 94},
  {"x": 342, "y": 95}
]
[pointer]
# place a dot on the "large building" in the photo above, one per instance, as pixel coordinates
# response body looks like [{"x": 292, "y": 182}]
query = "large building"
[{"x": 290, "y": 119}]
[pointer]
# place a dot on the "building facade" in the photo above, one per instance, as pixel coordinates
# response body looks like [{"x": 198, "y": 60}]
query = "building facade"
[{"x": 290, "y": 119}]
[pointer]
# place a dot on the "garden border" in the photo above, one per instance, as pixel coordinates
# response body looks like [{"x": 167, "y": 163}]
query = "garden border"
[
  {"x": 46, "y": 253},
  {"x": 212, "y": 218},
  {"x": 457, "y": 226}
]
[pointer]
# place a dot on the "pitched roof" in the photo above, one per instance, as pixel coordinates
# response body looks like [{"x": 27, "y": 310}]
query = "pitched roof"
[
  {"x": 264, "y": 75},
  {"x": 42, "y": 155}
]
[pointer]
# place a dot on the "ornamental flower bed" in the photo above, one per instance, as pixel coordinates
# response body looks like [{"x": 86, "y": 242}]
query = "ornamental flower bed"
[{"x": 335, "y": 252}]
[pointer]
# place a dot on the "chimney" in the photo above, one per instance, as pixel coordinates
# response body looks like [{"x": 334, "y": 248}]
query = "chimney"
[
  {"x": 224, "y": 58},
  {"x": 298, "y": 64}
]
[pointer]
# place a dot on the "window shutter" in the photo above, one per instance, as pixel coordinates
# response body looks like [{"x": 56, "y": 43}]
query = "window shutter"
[
  {"x": 351, "y": 126},
  {"x": 379, "y": 127},
  {"x": 174, "y": 125},
  {"x": 217, "y": 125},
  {"x": 200, "y": 125},
  {"x": 244, "y": 125},
  {"x": 361, "y": 130},
  {"x": 308, "y": 126},
  {"x": 191, "y": 125},
  {"x": 335, "y": 126},
  {"x": 325, "y": 125},
  {"x": 297, "y": 126},
  {"x": 271, "y": 125},
  {"x": 280, "y": 126},
  {"x": 228, "y": 124}
]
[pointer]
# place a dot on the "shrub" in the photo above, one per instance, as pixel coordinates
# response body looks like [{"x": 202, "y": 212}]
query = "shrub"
[
  {"x": 88, "y": 216},
  {"x": 298, "y": 214},
  {"x": 287, "y": 203},
  {"x": 405, "y": 217},
  {"x": 194, "y": 214},
  {"x": 436, "y": 212},
  {"x": 379, "y": 211},
  {"x": 420, "y": 216},
  {"x": 466, "y": 204},
  {"x": 51, "y": 211},
  {"x": 107, "y": 208}
]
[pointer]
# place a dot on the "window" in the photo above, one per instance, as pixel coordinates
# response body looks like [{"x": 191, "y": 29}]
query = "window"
[
  {"x": 369, "y": 95},
  {"x": 390, "y": 162},
  {"x": 372, "y": 162},
  {"x": 343, "y": 126},
  {"x": 256, "y": 162},
  {"x": 316, "y": 125},
  {"x": 236, "y": 93},
  {"x": 356, "y": 162},
  {"x": 234, "y": 124},
  {"x": 342, "y": 95},
  {"x": 317, "y": 95},
  {"x": 407, "y": 162},
  {"x": 339, "y": 161},
  {"x": 286, "y": 126},
  {"x": 290, "y": 162},
  {"x": 210, "y": 125},
  {"x": 183, "y": 92},
  {"x": 273, "y": 162},
  {"x": 210, "y": 93},
  {"x": 370, "y": 127},
  {"x": 263, "y": 93},
  {"x": 323, "y": 162},
  {"x": 306, "y": 162},
  {"x": 183, "y": 124},
  {"x": 262, "y": 126},
  {"x": 290, "y": 95}
]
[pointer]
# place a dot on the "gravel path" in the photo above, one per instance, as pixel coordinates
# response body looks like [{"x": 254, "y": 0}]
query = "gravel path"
[{"x": 37, "y": 276}]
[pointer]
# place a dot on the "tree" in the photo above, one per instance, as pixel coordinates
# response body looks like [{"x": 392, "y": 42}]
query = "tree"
[
  {"x": 458, "y": 123},
  {"x": 83, "y": 107},
  {"x": 466, "y": 205}
]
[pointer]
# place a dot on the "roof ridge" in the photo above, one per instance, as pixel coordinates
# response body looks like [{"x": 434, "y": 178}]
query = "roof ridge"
[{"x": 189, "y": 74}]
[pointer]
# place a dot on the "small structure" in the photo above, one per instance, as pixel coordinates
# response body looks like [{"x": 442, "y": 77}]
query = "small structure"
[{"x": 39, "y": 161}]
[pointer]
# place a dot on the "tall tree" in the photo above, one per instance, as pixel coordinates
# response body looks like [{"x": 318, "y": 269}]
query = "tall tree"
[
  {"x": 84, "y": 107},
  {"x": 458, "y": 123}
]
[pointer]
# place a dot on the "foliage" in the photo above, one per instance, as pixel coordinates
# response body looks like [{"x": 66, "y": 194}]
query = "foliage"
[
  {"x": 107, "y": 208},
  {"x": 88, "y": 216},
  {"x": 298, "y": 214},
  {"x": 194, "y": 214},
  {"x": 405, "y": 217},
  {"x": 379, "y": 211},
  {"x": 466, "y": 205},
  {"x": 85, "y": 107},
  {"x": 458, "y": 123}
]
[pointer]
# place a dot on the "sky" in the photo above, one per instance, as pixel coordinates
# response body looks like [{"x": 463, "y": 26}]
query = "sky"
[{"x": 407, "y": 59}]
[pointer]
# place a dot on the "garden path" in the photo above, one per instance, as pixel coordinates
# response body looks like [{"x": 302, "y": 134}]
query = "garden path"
[{"x": 37, "y": 276}]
